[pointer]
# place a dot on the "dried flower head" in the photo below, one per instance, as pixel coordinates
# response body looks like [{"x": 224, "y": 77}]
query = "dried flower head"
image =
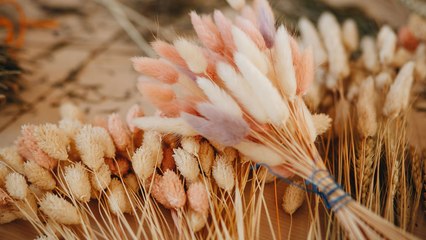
[
  {"x": 196, "y": 220},
  {"x": 198, "y": 198},
  {"x": 191, "y": 145},
  {"x": 206, "y": 156},
  {"x": 11, "y": 158},
  {"x": 59, "y": 209},
  {"x": 386, "y": 42},
  {"x": 117, "y": 198},
  {"x": 398, "y": 96},
  {"x": 77, "y": 181},
  {"x": 223, "y": 173},
  {"x": 119, "y": 132},
  {"x": 369, "y": 56},
  {"x": 52, "y": 140},
  {"x": 293, "y": 198},
  {"x": 134, "y": 111},
  {"x": 39, "y": 176},
  {"x": 310, "y": 37},
  {"x": 187, "y": 164},
  {"x": 322, "y": 123},
  {"x": 192, "y": 54},
  {"x": 366, "y": 109},
  {"x": 16, "y": 186},
  {"x": 93, "y": 144},
  {"x": 173, "y": 190},
  {"x": 350, "y": 35},
  {"x": 101, "y": 178},
  {"x": 70, "y": 127},
  {"x": 70, "y": 111},
  {"x": 156, "y": 68}
]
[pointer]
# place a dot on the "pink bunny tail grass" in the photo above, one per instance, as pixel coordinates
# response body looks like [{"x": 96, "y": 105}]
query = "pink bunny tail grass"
[
  {"x": 304, "y": 71},
  {"x": 157, "y": 191},
  {"x": 160, "y": 95},
  {"x": 173, "y": 189},
  {"x": 28, "y": 149},
  {"x": 198, "y": 198},
  {"x": 248, "y": 28},
  {"x": 135, "y": 111},
  {"x": 168, "y": 162},
  {"x": 207, "y": 32},
  {"x": 217, "y": 125},
  {"x": 266, "y": 21},
  {"x": 225, "y": 26},
  {"x": 169, "y": 52},
  {"x": 156, "y": 68},
  {"x": 119, "y": 133}
]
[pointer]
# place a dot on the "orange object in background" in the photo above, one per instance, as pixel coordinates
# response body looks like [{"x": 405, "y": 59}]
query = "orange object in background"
[{"x": 16, "y": 28}]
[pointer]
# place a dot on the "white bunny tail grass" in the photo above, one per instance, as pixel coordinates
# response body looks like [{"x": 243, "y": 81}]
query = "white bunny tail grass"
[
  {"x": 59, "y": 209},
  {"x": 187, "y": 164},
  {"x": 77, "y": 181},
  {"x": 16, "y": 186},
  {"x": 39, "y": 176}
]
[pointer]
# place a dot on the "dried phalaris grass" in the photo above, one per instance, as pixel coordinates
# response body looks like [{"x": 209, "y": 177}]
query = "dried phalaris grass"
[
  {"x": 77, "y": 181},
  {"x": 293, "y": 197},
  {"x": 191, "y": 145},
  {"x": 198, "y": 198},
  {"x": 322, "y": 123},
  {"x": 117, "y": 198},
  {"x": 173, "y": 189},
  {"x": 101, "y": 178},
  {"x": 16, "y": 186},
  {"x": 52, "y": 140},
  {"x": 187, "y": 164},
  {"x": 206, "y": 155},
  {"x": 223, "y": 173},
  {"x": 197, "y": 220},
  {"x": 10, "y": 156},
  {"x": 59, "y": 209},
  {"x": 39, "y": 176},
  {"x": 119, "y": 133}
]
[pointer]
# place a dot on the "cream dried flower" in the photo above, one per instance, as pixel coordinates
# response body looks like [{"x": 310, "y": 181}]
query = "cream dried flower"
[
  {"x": 366, "y": 109},
  {"x": 322, "y": 123},
  {"x": 386, "y": 42},
  {"x": 191, "y": 145},
  {"x": 223, "y": 173},
  {"x": 187, "y": 164},
  {"x": 198, "y": 198},
  {"x": 157, "y": 191},
  {"x": 77, "y": 180},
  {"x": 59, "y": 209},
  {"x": 196, "y": 220},
  {"x": 293, "y": 198},
  {"x": 52, "y": 140},
  {"x": 134, "y": 112},
  {"x": 206, "y": 156},
  {"x": 11, "y": 157},
  {"x": 153, "y": 144},
  {"x": 143, "y": 163},
  {"x": 369, "y": 56},
  {"x": 101, "y": 178},
  {"x": 398, "y": 96},
  {"x": 70, "y": 111},
  {"x": 350, "y": 35},
  {"x": 71, "y": 127},
  {"x": 93, "y": 144},
  {"x": 4, "y": 171},
  {"x": 119, "y": 132},
  {"x": 383, "y": 80},
  {"x": 192, "y": 54},
  {"x": 16, "y": 186},
  {"x": 39, "y": 176},
  {"x": 117, "y": 198},
  {"x": 331, "y": 35},
  {"x": 173, "y": 189},
  {"x": 310, "y": 37}
]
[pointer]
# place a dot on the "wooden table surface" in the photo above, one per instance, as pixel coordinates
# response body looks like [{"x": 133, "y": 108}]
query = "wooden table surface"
[{"x": 86, "y": 61}]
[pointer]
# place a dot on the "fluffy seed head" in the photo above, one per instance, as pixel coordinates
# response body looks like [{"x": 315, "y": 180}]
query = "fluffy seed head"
[
  {"x": 173, "y": 189},
  {"x": 101, "y": 178},
  {"x": 369, "y": 54},
  {"x": 322, "y": 123},
  {"x": 70, "y": 127},
  {"x": 310, "y": 37},
  {"x": 191, "y": 145},
  {"x": 135, "y": 111},
  {"x": 223, "y": 173},
  {"x": 386, "y": 42},
  {"x": 293, "y": 198},
  {"x": 148, "y": 156},
  {"x": 197, "y": 220},
  {"x": 77, "y": 181},
  {"x": 11, "y": 158},
  {"x": 187, "y": 164},
  {"x": 39, "y": 176},
  {"x": 350, "y": 34},
  {"x": 52, "y": 140},
  {"x": 131, "y": 182},
  {"x": 193, "y": 55},
  {"x": 156, "y": 68},
  {"x": 16, "y": 186},
  {"x": 117, "y": 198},
  {"x": 198, "y": 198},
  {"x": 119, "y": 132},
  {"x": 70, "y": 111},
  {"x": 366, "y": 109},
  {"x": 206, "y": 156},
  {"x": 59, "y": 209}
]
